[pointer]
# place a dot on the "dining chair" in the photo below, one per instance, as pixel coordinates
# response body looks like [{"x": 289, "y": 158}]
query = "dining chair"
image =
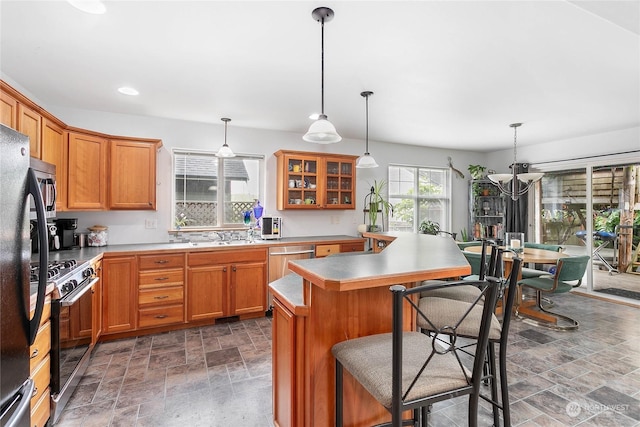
[
  {"x": 537, "y": 271},
  {"x": 405, "y": 370},
  {"x": 444, "y": 310},
  {"x": 568, "y": 275}
]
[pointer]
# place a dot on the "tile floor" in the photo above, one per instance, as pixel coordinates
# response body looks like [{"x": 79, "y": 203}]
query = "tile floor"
[{"x": 221, "y": 375}]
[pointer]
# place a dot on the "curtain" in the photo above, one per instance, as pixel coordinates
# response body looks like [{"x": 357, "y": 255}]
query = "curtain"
[{"x": 516, "y": 211}]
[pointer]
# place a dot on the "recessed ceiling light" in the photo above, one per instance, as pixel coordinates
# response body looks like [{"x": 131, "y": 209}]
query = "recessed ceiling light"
[
  {"x": 128, "y": 91},
  {"x": 95, "y": 7}
]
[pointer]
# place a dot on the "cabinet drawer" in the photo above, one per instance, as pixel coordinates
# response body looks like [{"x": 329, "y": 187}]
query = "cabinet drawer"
[
  {"x": 41, "y": 377},
  {"x": 324, "y": 250},
  {"x": 227, "y": 257},
  {"x": 161, "y": 296},
  {"x": 41, "y": 346},
  {"x": 161, "y": 315},
  {"x": 46, "y": 311},
  {"x": 153, "y": 262},
  {"x": 161, "y": 278},
  {"x": 352, "y": 247},
  {"x": 41, "y": 412}
]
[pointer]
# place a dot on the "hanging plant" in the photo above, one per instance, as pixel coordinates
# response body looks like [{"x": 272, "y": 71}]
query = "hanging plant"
[{"x": 477, "y": 171}]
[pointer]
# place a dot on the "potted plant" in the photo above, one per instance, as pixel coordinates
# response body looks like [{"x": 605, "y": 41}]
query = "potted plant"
[
  {"x": 429, "y": 227},
  {"x": 377, "y": 203},
  {"x": 476, "y": 171}
]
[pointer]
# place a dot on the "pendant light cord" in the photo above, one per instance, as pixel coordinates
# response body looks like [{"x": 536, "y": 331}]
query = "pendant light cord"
[
  {"x": 322, "y": 67},
  {"x": 366, "y": 134}
]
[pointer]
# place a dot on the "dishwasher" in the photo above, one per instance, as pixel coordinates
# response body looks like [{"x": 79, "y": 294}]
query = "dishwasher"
[{"x": 279, "y": 258}]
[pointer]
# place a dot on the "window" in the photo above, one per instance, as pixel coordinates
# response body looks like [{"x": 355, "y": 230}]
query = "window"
[
  {"x": 212, "y": 191},
  {"x": 419, "y": 193}
]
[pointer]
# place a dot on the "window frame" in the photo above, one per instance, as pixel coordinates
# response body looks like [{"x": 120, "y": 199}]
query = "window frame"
[
  {"x": 445, "y": 199},
  {"x": 220, "y": 194}
]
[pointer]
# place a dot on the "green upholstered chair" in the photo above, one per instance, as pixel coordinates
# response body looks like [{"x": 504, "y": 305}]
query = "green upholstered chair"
[
  {"x": 463, "y": 245},
  {"x": 406, "y": 370},
  {"x": 569, "y": 274},
  {"x": 537, "y": 272}
]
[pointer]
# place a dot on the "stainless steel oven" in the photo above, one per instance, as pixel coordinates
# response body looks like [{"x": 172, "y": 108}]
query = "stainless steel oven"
[{"x": 71, "y": 328}]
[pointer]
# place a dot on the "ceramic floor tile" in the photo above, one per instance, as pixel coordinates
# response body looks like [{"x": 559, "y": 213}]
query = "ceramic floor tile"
[{"x": 220, "y": 375}]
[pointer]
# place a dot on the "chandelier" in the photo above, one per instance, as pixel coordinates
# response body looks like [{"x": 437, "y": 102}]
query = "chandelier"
[{"x": 512, "y": 184}]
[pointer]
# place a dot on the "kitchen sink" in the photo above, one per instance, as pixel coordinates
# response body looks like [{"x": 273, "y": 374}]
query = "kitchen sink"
[{"x": 216, "y": 243}]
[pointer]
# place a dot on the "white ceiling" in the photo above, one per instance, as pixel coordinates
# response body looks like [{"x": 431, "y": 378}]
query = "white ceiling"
[{"x": 444, "y": 73}]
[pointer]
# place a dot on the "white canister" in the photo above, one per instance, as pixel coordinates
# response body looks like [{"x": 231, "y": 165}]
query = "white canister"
[{"x": 97, "y": 236}]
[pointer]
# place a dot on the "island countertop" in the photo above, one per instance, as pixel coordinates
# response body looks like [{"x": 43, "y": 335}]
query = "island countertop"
[{"x": 410, "y": 258}]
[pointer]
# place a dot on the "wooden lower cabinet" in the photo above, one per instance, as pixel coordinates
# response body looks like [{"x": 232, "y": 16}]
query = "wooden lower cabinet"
[
  {"x": 40, "y": 369},
  {"x": 160, "y": 290},
  {"x": 336, "y": 248},
  {"x": 226, "y": 283},
  {"x": 287, "y": 368},
  {"x": 119, "y": 293}
]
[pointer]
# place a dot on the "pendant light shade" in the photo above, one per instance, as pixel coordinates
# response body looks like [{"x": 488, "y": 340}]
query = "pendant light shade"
[
  {"x": 322, "y": 130},
  {"x": 366, "y": 160},
  {"x": 225, "y": 151},
  {"x": 514, "y": 184}
]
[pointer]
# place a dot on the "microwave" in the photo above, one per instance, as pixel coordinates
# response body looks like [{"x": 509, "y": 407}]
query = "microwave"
[
  {"x": 271, "y": 227},
  {"x": 46, "y": 177}
]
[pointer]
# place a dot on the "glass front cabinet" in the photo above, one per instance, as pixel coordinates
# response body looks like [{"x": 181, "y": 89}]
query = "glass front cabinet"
[
  {"x": 309, "y": 180},
  {"x": 486, "y": 210}
]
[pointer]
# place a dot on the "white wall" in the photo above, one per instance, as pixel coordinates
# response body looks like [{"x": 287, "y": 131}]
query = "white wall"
[
  {"x": 618, "y": 141},
  {"x": 129, "y": 227}
]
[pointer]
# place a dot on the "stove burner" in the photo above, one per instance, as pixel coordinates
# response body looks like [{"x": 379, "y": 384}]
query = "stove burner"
[{"x": 65, "y": 274}]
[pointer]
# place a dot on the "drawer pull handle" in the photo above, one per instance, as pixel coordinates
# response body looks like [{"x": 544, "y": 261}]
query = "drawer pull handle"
[
  {"x": 161, "y": 316},
  {"x": 35, "y": 391},
  {"x": 34, "y": 354},
  {"x": 161, "y": 297},
  {"x": 162, "y": 278},
  {"x": 161, "y": 261}
]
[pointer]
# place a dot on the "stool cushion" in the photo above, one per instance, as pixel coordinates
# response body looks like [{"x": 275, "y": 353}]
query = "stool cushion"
[
  {"x": 362, "y": 357},
  {"x": 461, "y": 293},
  {"x": 446, "y": 312}
]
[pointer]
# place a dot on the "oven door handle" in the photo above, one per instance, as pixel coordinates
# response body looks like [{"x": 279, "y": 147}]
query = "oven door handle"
[{"x": 72, "y": 298}]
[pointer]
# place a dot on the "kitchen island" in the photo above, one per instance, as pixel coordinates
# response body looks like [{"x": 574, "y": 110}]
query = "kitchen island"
[{"x": 332, "y": 299}]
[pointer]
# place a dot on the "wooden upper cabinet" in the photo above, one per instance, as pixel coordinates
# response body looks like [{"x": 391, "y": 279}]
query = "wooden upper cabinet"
[
  {"x": 8, "y": 110},
  {"x": 30, "y": 124},
  {"x": 309, "y": 180},
  {"x": 87, "y": 174},
  {"x": 133, "y": 175},
  {"x": 54, "y": 150}
]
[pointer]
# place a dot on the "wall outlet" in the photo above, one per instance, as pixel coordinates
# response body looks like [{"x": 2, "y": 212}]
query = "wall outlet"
[{"x": 150, "y": 223}]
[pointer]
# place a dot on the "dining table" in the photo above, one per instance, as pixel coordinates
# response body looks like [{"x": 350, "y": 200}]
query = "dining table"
[{"x": 529, "y": 255}]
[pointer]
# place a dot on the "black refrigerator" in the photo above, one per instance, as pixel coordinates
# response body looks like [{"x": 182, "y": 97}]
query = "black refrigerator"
[{"x": 18, "y": 188}]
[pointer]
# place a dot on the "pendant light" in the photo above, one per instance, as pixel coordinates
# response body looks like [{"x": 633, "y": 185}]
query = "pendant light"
[
  {"x": 521, "y": 182},
  {"x": 225, "y": 151},
  {"x": 322, "y": 130},
  {"x": 366, "y": 160}
]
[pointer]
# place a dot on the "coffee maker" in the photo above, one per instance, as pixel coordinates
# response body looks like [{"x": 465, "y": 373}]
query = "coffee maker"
[{"x": 66, "y": 230}]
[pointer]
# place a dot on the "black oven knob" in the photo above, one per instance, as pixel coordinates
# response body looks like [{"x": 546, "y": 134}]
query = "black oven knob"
[
  {"x": 69, "y": 286},
  {"x": 88, "y": 272}
]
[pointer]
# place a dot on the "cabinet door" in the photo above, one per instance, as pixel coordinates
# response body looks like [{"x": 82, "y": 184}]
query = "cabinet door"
[
  {"x": 133, "y": 175},
  {"x": 119, "y": 297},
  {"x": 300, "y": 186},
  {"x": 248, "y": 283},
  {"x": 54, "y": 150},
  {"x": 30, "y": 124},
  {"x": 87, "y": 162},
  {"x": 340, "y": 183},
  {"x": 207, "y": 292},
  {"x": 8, "y": 110},
  {"x": 288, "y": 401}
]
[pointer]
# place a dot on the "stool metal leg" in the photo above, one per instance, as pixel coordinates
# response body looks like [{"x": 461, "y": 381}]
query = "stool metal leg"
[{"x": 338, "y": 394}]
